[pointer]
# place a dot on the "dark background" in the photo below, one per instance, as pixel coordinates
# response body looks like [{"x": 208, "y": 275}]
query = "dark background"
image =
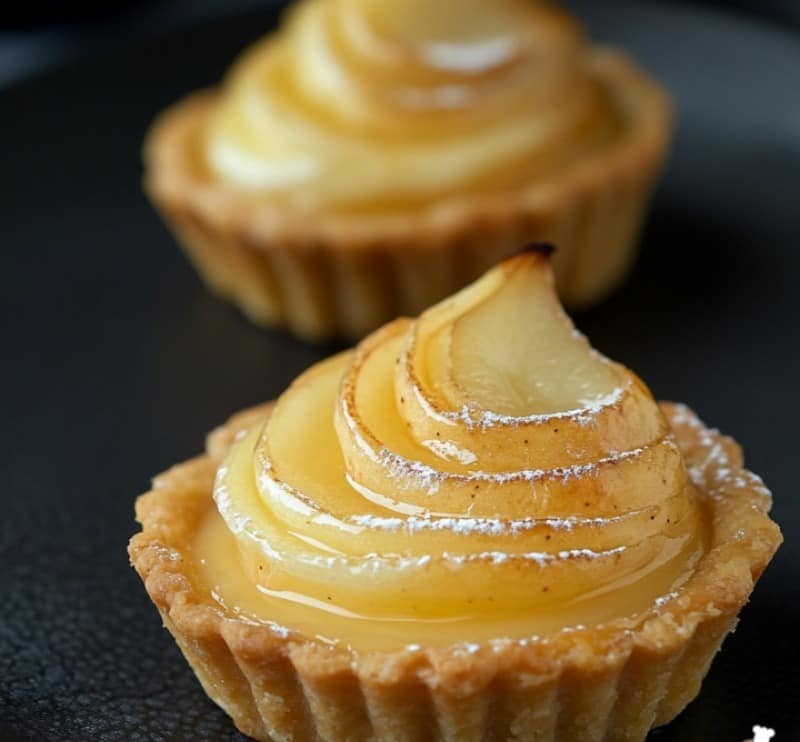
[
  {"x": 41, "y": 33},
  {"x": 115, "y": 361}
]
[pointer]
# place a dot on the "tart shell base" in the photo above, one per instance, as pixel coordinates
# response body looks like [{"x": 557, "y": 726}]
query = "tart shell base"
[
  {"x": 581, "y": 685},
  {"x": 341, "y": 275}
]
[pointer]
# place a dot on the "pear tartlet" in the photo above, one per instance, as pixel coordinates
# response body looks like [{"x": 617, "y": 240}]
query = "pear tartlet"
[
  {"x": 473, "y": 526},
  {"x": 373, "y": 156}
]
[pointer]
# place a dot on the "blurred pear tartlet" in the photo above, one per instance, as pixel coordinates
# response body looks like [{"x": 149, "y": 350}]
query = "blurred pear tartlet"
[
  {"x": 473, "y": 526},
  {"x": 373, "y": 156}
]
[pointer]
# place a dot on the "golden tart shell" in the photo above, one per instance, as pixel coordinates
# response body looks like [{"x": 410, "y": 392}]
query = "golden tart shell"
[
  {"x": 605, "y": 682},
  {"x": 338, "y": 274}
]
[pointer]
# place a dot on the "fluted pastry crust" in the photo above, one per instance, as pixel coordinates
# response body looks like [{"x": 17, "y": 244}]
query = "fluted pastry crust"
[
  {"x": 340, "y": 274},
  {"x": 599, "y": 683}
]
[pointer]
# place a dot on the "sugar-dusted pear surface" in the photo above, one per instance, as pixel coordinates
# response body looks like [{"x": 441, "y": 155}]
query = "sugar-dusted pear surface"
[{"x": 479, "y": 467}]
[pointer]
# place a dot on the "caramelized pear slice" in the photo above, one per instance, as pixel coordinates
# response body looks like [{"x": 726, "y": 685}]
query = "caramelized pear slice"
[
  {"x": 384, "y": 459},
  {"x": 343, "y": 506},
  {"x": 499, "y": 367},
  {"x": 457, "y": 38},
  {"x": 517, "y": 354},
  {"x": 283, "y": 563},
  {"x": 313, "y": 498}
]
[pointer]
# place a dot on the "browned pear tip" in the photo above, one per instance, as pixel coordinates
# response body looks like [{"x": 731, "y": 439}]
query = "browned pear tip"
[
  {"x": 538, "y": 252},
  {"x": 539, "y": 249}
]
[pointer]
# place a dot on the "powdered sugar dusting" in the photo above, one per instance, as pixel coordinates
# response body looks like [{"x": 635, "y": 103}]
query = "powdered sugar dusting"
[
  {"x": 469, "y": 525},
  {"x": 541, "y": 558},
  {"x": 474, "y": 418},
  {"x": 408, "y": 472},
  {"x": 450, "y": 451},
  {"x": 664, "y": 599},
  {"x": 715, "y": 460}
]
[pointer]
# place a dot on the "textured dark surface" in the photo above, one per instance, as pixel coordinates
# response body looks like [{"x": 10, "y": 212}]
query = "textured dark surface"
[{"x": 115, "y": 361}]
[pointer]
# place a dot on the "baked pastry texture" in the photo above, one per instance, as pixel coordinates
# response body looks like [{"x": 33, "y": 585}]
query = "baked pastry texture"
[
  {"x": 472, "y": 527},
  {"x": 371, "y": 157}
]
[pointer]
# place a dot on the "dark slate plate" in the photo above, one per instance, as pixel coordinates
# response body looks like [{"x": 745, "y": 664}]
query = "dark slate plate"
[{"x": 116, "y": 361}]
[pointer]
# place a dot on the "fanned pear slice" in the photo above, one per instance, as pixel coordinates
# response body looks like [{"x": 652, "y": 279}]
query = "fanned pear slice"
[
  {"x": 447, "y": 36},
  {"x": 384, "y": 460},
  {"x": 517, "y": 354},
  {"x": 311, "y": 495},
  {"x": 499, "y": 367},
  {"x": 378, "y": 584}
]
